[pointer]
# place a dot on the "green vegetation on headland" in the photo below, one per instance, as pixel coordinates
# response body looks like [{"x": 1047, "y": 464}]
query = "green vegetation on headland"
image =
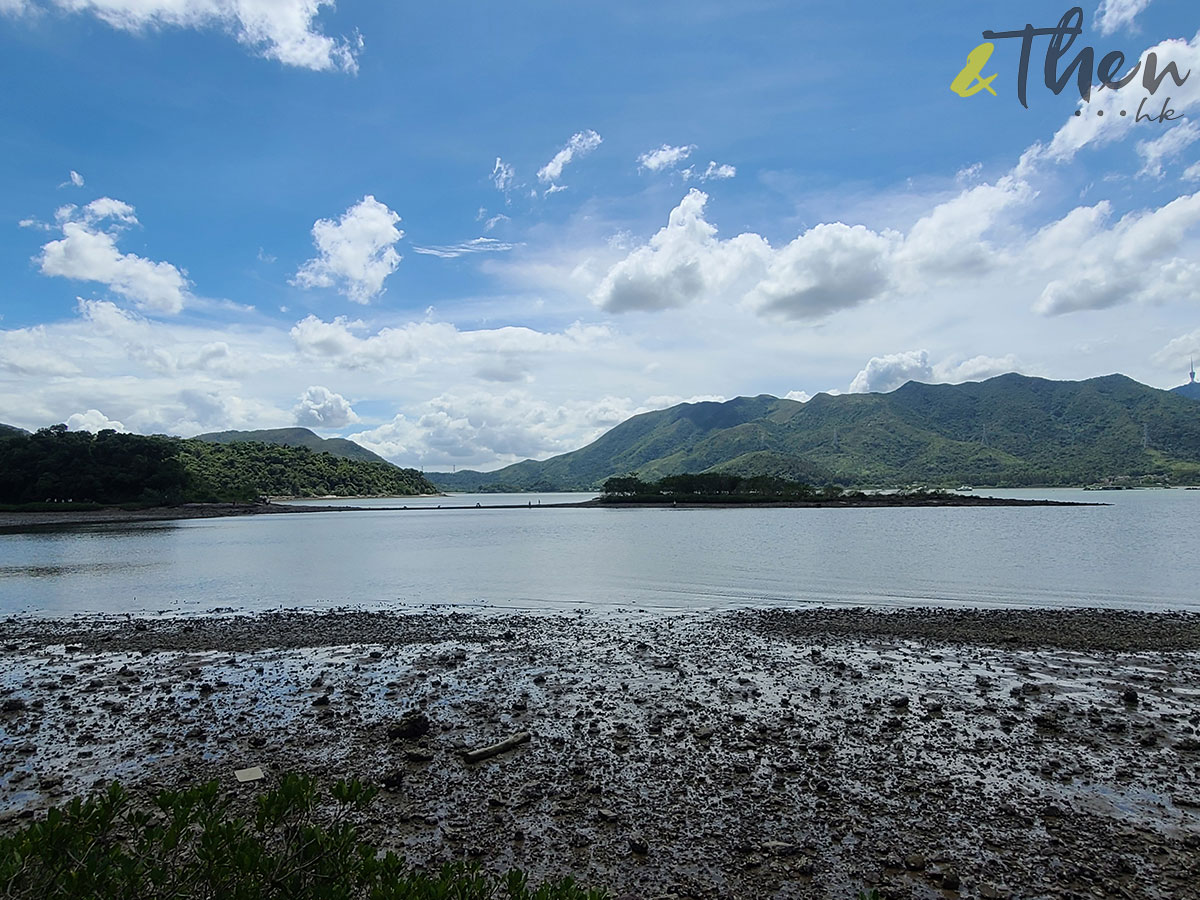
[
  {"x": 294, "y": 437},
  {"x": 1009, "y": 431},
  {"x": 296, "y": 844},
  {"x": 765, "y": 490},
  {"x": 59, "y": 466}
]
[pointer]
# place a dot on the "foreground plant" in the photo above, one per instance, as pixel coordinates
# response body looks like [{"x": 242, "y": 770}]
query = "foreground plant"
[{"x": 189, "y": 844}]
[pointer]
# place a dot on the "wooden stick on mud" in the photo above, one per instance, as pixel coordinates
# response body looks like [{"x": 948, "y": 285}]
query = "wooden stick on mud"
[{"x": 473, "y": 756}]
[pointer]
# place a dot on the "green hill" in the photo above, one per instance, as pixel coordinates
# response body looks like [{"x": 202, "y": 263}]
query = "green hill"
[
  {"x": 56, "y": 465},
  {"x": 1011, "y": 430},
  {"x": 294, "y": 437},
  {"x": 6, "y": 430}
]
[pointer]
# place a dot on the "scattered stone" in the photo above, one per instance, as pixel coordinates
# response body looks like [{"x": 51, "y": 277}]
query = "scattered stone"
[{"x": 411, "y": 725}]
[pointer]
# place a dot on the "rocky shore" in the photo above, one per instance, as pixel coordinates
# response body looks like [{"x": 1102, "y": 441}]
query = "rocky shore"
[{"x": 814, "y": 753}]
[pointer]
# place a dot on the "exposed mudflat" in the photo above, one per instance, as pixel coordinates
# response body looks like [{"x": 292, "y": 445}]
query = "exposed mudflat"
[{"x": 930, "y": 753}]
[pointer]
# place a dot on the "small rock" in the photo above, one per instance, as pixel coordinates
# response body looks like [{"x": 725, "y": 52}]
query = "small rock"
[
  {"x": 914, "y": 862},
  {"x": 411, "y": 725},
  {"x": 638, "y": 845},
  {"x": 13, "y": 705}
]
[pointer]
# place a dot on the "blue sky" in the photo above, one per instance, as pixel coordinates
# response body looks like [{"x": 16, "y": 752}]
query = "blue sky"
[{"x": 466, "y": 235}]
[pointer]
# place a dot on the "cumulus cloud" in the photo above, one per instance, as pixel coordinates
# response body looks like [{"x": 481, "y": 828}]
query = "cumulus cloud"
[
  {"x": 977, "y": 368},
  {"x": 580, "y": 144},
  {"x": 283, "y": 30},
  {"x": 356, "y": 253},
  {"x": 320, "y": 407},
  {"x": 74, "y": 179},
  {"x": 88, "y": 251},
  {"x": 798, "y": 396},
  {"x": 93, "y": 420},
  {"x": 1097, "y": 265},
  {"x": 683, "y": 262},
  {"x": 829, "y": 267},
  {"x": 886, "y": 373},
  {"x": 1165, "y": 148},
  {"x": 475, "y": 245},
  {"x": 474, "y": 427},
  {"x": 1192, "y": 172},
  {"x": 1113, "y": 15},
  {"x": 665, "y": 157}
]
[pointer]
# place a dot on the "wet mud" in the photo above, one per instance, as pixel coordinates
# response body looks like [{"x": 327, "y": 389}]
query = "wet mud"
[{"x": 927, "y": 753}]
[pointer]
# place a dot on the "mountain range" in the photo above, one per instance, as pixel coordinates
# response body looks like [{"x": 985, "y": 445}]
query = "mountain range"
[
  {"x": 1010, "y": 430},
  {"x": 295, "y": 437}
]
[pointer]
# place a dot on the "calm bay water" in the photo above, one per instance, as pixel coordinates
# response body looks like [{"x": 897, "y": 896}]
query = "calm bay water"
[{"x": 1139, "y": 552}]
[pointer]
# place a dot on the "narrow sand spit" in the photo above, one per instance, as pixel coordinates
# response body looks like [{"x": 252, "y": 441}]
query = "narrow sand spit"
[{"x": 931, "y": 753}]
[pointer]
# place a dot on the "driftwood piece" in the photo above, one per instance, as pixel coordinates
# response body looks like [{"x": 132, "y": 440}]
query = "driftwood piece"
[{"x": 482, "y": 753}]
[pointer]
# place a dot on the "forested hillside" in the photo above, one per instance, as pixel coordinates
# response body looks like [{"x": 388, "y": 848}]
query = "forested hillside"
[
  {"x": 1012, "y": 430},
  {"x": 56, "y": 465}
]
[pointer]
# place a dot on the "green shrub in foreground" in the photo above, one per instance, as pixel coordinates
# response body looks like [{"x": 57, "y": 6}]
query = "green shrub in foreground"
[{"x": 190, "y": 845}]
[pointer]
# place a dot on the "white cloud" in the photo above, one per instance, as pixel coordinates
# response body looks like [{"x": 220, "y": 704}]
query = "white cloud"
[
  {"x": 580, "y": 144},
  {"x": 357, "y": 252},
  {"x": 829, "y": 267},
  {"x": 408, "y": 347},
  {"x": 1180, "y": 353},
  {"x": 74, "y": 179},
  {"x": 977, "y": 368},
  {"x": 1165, "y": 148},
  {"x": 664, "y": 157},
  {"x": 478, "y": 427},
  {"x": 683, "y": 262},
  {"x": 1113, "y": 15},
  {"x": 88, "y": 251},
  {"x": 503, "y": 175},
  {"x": 283, "y": 30},
  {"x": 1096, "y": 266},
  {"x": 475, "y": 245},
  {"x": 1192, "y": 173},
  {"x": 320, "y": 407},
  {"x": 798, "y": 396},
  {"x": 93, "y": 420},
  {"x": 1092, "y": 129},
  {"x": 494, "y": 221},
  {"x": 886, "y": 373},
  {"x": 714, "y": 172}
]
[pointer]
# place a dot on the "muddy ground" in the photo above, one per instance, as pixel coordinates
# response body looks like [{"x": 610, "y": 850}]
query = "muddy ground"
[{"x": 929, "y": 753}]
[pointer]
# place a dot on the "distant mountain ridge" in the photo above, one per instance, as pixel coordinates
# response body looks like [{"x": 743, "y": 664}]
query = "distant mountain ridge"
[
  {"x": 295, "y": 437},
  {"x": 1011, "y": 430},
  {"x": 1191, "y": 389},
  {"x": 11, "y": 429}
]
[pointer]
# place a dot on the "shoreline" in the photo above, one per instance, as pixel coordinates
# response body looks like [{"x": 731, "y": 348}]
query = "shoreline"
[
  {"x": 806, "y": 753},
  {"x": 16, "y": 521}
]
